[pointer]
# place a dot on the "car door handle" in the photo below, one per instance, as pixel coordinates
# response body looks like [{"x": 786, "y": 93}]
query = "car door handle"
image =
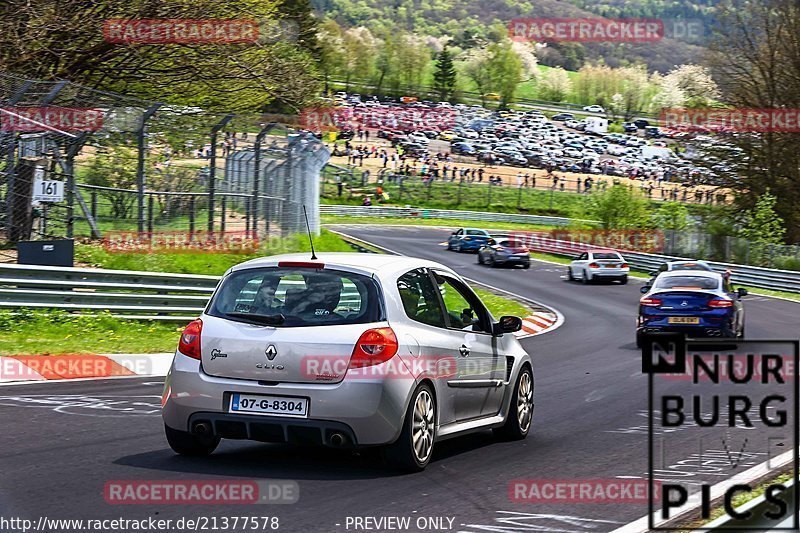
[{"x": 464, "y": 351}]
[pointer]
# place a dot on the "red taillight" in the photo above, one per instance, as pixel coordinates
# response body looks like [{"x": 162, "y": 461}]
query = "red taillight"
[
  {"x": 651, "y": 302},
  {"x": 375, "y": 346},
  {"x": 720, "y": 304},
  {"x": 189, "y": 344},
  {"x": 594, "y": 265},
  {"x": 624, "y": 265},
  {"x": 300, "y": 264}
]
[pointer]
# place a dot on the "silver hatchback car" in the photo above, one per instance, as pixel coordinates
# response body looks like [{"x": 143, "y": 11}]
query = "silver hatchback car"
[{"x": 349, "y": 350}]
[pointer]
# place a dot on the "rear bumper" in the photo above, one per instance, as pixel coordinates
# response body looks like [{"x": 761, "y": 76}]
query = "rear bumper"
[
  {"x": 368, "y": 411},
  {"x": 697, "y": 331},
  {"x": 505, "y": 260},
  {"x": 608, "y": 272}
]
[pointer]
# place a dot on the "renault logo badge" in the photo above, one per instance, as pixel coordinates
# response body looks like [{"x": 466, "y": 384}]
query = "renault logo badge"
[{"x": 271, "y": 352}]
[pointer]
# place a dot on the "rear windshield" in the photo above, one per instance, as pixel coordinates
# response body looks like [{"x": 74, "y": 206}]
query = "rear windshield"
[
  {"x": 297, "y": 297},
  {"x": 698, "y": 282},
  {"x": 606, "y": 256},
  {"x": 690, "y": 266}
]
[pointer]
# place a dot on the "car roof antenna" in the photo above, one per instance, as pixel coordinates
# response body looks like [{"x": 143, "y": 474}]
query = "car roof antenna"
[{"x": 310, "y": 240}]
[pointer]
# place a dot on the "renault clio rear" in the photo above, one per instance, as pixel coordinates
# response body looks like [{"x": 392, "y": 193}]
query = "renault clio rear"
[{"x": 351, "y": 350}]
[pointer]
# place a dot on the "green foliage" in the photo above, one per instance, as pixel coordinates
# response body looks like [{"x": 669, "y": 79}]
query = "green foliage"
[
  {"x": 619, "y": 207},
  {"x": 764, "y": 226},
  {"x": 505, "y": 71},
  {"x": 672, "y": 216}
]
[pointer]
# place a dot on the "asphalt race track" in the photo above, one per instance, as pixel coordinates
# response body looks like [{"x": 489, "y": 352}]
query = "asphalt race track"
[{"x": 62, "y": 442}]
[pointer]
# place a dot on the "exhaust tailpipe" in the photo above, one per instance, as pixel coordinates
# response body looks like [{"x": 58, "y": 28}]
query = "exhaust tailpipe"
[
  {"x": 203, "y": 429},
  {"x": 338, "y": 440}
]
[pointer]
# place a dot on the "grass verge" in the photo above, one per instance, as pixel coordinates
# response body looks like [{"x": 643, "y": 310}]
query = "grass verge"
[{"x": 28, "y": 332}]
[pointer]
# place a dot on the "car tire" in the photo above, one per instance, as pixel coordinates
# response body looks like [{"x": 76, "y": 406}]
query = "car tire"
[
  {"x": 458, "y": 248},
  {"x": 570, "y": 277},
  {"x": 585, "y": 279},
  {"x": 526, "y": 266},
  {"x": 624, "y": 280},
  {"x": 520, "y": 414},
  {"x": 189, "y": 444},
  {"x": 480, "y": 258},
  {"x": 420, "y": 416}
]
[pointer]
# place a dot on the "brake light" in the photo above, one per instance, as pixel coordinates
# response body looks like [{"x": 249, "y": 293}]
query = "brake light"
[
  {"x": 189, "y": 343},
  {"x": 624, "y": 265},
  {"x": 375, "y": 346},
  {"x": 300, "y": 264},
  {"x": 594, "y": 265},
  {"x": 720, "y": 304},
  {"x": 651, "y": 302}
]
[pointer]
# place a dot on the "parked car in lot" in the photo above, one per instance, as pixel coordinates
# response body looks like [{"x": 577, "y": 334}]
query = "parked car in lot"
[
  {"x": 563, "y": 117},
  {"x": 594, "y": 109},
  {"x": 463, "y": 148},
  {"x": 594, "y": 265},
  {"x": 467, "y": 239},
  {"x": 629, "y": 127},
  {"x": 697, "y": 303},
  {"x": 500, "y": 251},
  {"x": 348, "y": 351}
]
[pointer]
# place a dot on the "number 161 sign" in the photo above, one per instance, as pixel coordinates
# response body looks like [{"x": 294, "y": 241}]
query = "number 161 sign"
[{"x": 48, "y": 191}]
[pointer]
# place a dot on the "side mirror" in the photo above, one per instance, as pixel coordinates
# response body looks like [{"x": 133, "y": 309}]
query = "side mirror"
[
  {"x": 654, "y": 273},
  {"x": 741, "y": 291},
  {"x": 507, "y": 324},
  {"x": 491, "y": 242},
  {"x": 645, "y": 289}
]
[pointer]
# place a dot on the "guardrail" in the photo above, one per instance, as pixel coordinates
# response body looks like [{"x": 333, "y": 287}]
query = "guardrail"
[
  {"x": 124, "y": 293},
  {"x": 416, "y": 212},
  {"x": 763, "y": 278}
]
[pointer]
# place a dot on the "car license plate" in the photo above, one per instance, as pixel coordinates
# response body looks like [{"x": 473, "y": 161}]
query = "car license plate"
[
  {"x": 684, "y": 320},
  {"x": 610, "y": 266},
  {"x": 269, "y": 405}
]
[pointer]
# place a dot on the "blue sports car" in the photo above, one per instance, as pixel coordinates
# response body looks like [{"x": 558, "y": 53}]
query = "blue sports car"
[
  {"x": 697, "y": 303},
  {"x": 468, "y": 240}
]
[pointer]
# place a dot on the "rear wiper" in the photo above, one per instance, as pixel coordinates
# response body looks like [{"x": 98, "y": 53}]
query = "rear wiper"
[{"x": 267, "y": 320}]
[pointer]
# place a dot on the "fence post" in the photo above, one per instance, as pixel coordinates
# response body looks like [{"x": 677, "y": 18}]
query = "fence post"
[
  {"x": 212, "y": 171},
  {"x": 489, "y": 194},
  {"x": 519, "y": 196},
  {"x": 247, "y": 208},
  {"x": 94, "y": 205},
  {"x": 140, "y": 166},
  {"x": 150, "y": 215},
  {"x": 458, "y": 197},
  {"x": 191, "y": 217},
  {"x": 222, "y": 216},
  {"x": 257, "y": 174}
]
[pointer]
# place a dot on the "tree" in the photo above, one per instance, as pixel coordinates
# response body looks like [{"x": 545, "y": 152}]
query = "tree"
[
  {"x": 687, "y": 86},
  {"x": 476, "y": 68},
  {"x": 763, "y": 229},
  {"x": 505, "y": 70},
  {"x": 555, "y": 85},
  {"x": 672, "y": 216},
  {"x": 331, "y": 54},
  {"x": 114, "y": 167},
  {"x": 619, "y": 207},
  {"x": 757, "y": 63},
  {"x": 63, "y": 39},
  {"x": 359, "y": 53},
  {"x": 444, "y": 75}
]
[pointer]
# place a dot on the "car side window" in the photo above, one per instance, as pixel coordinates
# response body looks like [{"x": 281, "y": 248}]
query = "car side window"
[
  {"x": 583, "y": 257},
  {"x": 463, "y": 309},
  {"x": 459, "y": 232},
  {"x": 420, "y": 302}
]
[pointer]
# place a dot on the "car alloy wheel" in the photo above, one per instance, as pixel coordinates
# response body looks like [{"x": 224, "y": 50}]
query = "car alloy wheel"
[
  {"x": 520, "y": 415},
  {"x": 422, "y": 426},
  {"x": 585, "y": 279},
  {"x": 412, "y": 451},
  {"x": 569, "y": 274}
]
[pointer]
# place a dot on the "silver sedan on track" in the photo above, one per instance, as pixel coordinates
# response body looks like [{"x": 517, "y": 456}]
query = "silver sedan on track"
[{"x": 350, "y": 350}]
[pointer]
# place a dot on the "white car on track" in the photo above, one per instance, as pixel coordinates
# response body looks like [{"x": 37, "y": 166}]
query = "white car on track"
[{"x": 599, "y": 264}]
